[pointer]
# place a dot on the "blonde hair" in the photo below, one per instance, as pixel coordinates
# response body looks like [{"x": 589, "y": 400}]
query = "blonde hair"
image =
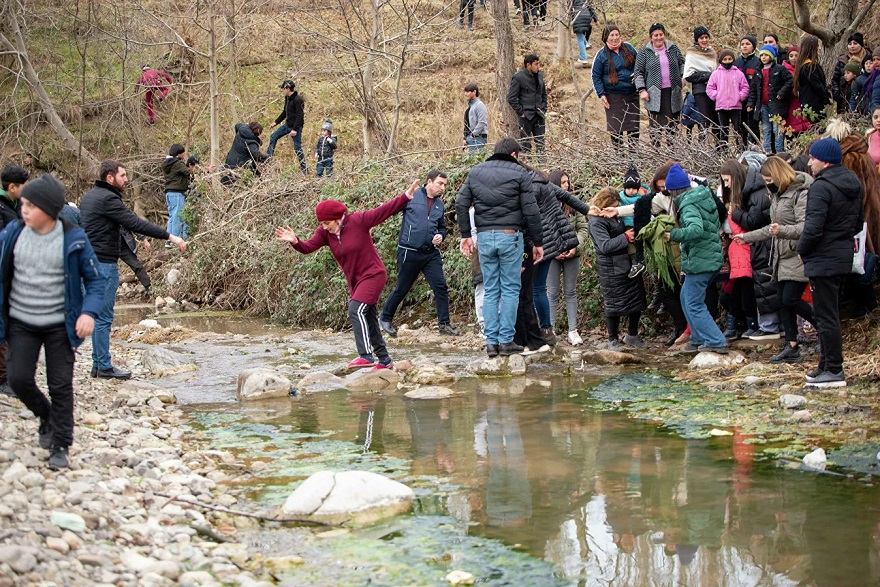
[
  {"x": 837, "y": 129},
  {"x": 605, "y": 198},
  {"x": 781, "y": 172}
]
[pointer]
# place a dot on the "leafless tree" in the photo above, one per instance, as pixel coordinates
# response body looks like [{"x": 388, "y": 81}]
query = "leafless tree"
[{"x": 843, "y": 18}]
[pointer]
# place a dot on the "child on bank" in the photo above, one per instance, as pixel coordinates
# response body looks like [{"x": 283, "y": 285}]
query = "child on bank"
[
  {"x": 728, "y": 88},
  {"x": 44, "y": 262},
  {"x": 633, "y": 190},
  {"x": 324, "y": 149}
]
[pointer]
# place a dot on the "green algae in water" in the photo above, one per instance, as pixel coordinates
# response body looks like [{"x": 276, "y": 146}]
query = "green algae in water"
[
  {"x": 860, "y": 458},
  {"x": 420, "y": 551}
]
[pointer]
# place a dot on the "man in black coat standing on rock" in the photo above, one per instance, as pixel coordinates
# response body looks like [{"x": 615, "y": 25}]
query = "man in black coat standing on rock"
[
  {"x": 835, "y": 214},
  {"x": 528, "y": 97},
  {"x": 291, "y": 120},
  {"x": 103, "y": 212}
]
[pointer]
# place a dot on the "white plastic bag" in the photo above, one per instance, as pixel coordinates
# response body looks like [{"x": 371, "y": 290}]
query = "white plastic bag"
[{"x": 859, "y": 240}]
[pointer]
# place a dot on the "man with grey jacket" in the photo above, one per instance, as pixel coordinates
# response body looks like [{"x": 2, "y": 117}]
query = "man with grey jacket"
[
  {"x": 500, "y": 190},
  {"x": 476, "y": 120}
]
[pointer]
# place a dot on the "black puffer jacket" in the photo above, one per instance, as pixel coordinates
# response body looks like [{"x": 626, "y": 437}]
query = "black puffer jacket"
[
  {"x": 583, "y": 17},
  {"x": 835, "y": 214},
  {"x": 245, "y": 151},
  {"x": 8, "y": 210},
  {"x": 620, "y": 294},
  {"x": 500, "y": 190},
  {"x": 293, "y": 114},
  {"x": 778, "y": 89},
  {"x": 755, "y": 214},
  {"x": 559, "y": 236},
  {"x": 527, "y": 94},
  {"x": 103, "y": 212}
]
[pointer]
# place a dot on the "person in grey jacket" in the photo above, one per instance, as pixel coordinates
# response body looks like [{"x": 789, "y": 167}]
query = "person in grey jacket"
[
  {"x": 500, "y": 190},
  {"x": 662, "y": 101},
  {"x": 528, "y": 98},
  {"x": 476, "y": 120}
]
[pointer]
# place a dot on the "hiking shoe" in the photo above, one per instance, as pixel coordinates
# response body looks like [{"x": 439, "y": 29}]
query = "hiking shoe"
[
  {"x": 111, "y": 373},
  {"x": 492, "y": 350},
  {"x": 764, "y": 335},
  {"x": 636, "y": 270},
  {"x": 385, "y": 364},
  {"x": 387, "y": 327},
  {"x": 361, "y": 362},
  {"x": 635, "y": 341},
  {"x": 6, "y": 390},
  {"x": 731, "y": 334},
  {"x": 614, "y": 345},
  {"x": 827, "y": 380},
  {"x": 574, "y": 338},
  {"x": 750, "y": 332},
  {"x": 471, "y": 27},
  {"x": 58, "y": 459},
  {"x": 812, "y": 374},
  {"x": 721, "y": 350},
  {"x": 505, "y": 349},
  {"x": 549, "y": 336},
  {"x": 447, "y": 329},
  {"x": 45, "y": 433},
  {"x": 690, "y": 349},
  {"x": 790, "y": 354}
]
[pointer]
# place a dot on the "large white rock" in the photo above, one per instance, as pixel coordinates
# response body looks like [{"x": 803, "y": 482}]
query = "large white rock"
[
  {"x": 428, "y": 374},
  {"x": 816, "y": 459},
  {"x": 353, "y": 497},
  {"x": 320, "y": 381},
  {"x": 430, "y": 392},
  {"x": 260, "y": 383},
  {"x": 160, "y": 361},
  {"x": 372, "y": 380},
  {"x": 708, "y": 360},
  {"x": 172, "y": 277},
  {"x": 498, "y": 366},
  {"x": 790, "y": 401}
]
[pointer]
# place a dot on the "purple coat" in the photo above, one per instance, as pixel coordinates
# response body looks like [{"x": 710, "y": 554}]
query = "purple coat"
[{"x": 729, "y": 88}]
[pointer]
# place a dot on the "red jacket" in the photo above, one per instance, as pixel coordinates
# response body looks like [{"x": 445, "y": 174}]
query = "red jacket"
[
  {"x": 740, "y": 254},
  {"x": 354, "y": 250},
  {"x": 153, "y": 78}
]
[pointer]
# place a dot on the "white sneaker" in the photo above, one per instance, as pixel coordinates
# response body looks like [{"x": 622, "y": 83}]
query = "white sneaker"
[
  {"x": 584, "y": 61},
  {"x": 574, "y": 338},
  {"x": 542, "y": 349},
  {"x": 588, "y": 45}
]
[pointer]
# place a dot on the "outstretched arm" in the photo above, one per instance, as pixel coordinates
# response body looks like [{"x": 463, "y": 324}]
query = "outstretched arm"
[{"x": 379, "y": 215}]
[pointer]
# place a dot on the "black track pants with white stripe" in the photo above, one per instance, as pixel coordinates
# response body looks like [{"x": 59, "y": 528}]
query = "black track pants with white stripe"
[{"x": 367, "y": 335}]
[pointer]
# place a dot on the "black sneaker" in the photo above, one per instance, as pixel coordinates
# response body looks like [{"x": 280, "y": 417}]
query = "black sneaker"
[
  {"x": 790, "y": 354},
  {"x": 58, "y": 459},
  {"x": 721, "y": 350},
  {"x": 492, "y": 350},
  {"x": 827, "y": 380},
  {"x": 690, "y": 349},
  {"x": 812, "y": 374},
  {"x": 447, "y": 329},
  {"x": 45, "y": 433},
  {"x": 6, "y": 390},
  {"x": 505, "y": 349},
  {"x": 763, "y": 335},
  {"x": 636, "y": 270},
  {"x": 387, "y": 327},
  {"x": 112, "y": 373}
]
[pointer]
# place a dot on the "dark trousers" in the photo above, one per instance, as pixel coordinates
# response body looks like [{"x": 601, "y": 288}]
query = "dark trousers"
[
  {"x": 632, "y": 325},
  {"x": 671, "y": 299},
  {"x": 663, "y": 122},
  {"x": 532, "y": 128},
  {"x": 743, "y": 304},
  {"x": 409, "y": 265},
  {"x": 528, "y": 331},
  {"x": 791, "y": 306},
  {"x": 747, "y": 121},
  {"x": 726, "y": 120},
  {"x": 367, "y": 336},
  {"x": 24, "y": 350},
  {"x": 466, "y": 5},
  {"x": 706, "y": 107},
  {"x": 130, "y": 259},
  {"x": 3, "y": 348},
  {"x": 826, "y": 294}
]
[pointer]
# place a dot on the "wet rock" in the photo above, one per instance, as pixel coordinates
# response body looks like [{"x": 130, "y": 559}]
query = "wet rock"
[
  {"x": 752, "y": 380},
  {"x": 430, "y": 392},
  {"x": 159, "y": 361},
  {"x": 517, "y": 365},
  {"x": 403, "y": 366},
  {"x": 320, "y": 381},
  {"x": 790, "y": 401},
  {"x": 707, "y": 360},
  {"x": 370, "y": 380},
  {"x": 354, "y": 497},
  {"x": 261, "y": 383},
  {"x": 802, "y": 416},
  {"x": 608, "y": 357},
  {"x": 21, "y": 559},
  {"x": 283, "y": 563},
  {"x": 486, "y": 366},
  {"x": 816, "y": 459},
  {"x": 68, "y": 521},
  {"x": 755, "y": 368},
  {"x": 429, "y": 374},
  {"x": 460, "y": 578}
]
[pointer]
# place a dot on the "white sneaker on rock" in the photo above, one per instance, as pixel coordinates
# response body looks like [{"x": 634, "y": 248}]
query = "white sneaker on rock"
[{"x": 574, "y": 338}]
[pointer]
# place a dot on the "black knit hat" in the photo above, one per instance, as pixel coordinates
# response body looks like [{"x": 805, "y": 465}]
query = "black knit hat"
[
  {"x": 699, "y": 32},
  {"x": 858, "y": 38},
  {"x": 750, "y": 39},
  {"x": 631, "y": 178},
  {"x": 46, "y": 193},
  {"x": 656, "y": 27}
]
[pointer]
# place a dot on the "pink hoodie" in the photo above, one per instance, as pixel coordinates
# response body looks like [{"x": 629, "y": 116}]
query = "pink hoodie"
[{"x": 728, "y": 87}]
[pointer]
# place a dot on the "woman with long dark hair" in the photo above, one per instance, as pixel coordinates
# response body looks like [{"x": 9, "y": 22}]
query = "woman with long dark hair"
[
  {"x": 613, "y": 69},
  {"x": 810, "y": 84}
]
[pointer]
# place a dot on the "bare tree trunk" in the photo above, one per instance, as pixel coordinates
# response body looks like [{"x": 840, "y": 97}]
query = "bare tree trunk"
[
  {"x": 563, "y": 42},
  {"x": 844, "y": 18},
  {"x": 370, "y": 106},
  {"x": 20, "y": 49},
  {"x": 392, "y": 135},
  {"x": 214, "y": 84},
  {"x": 233, "y": 61},
  {"x": 505, "y": 68}
]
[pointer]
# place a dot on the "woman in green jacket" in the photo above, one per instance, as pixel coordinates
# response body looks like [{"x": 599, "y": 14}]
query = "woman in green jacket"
[{"x": 698, "y": 231}]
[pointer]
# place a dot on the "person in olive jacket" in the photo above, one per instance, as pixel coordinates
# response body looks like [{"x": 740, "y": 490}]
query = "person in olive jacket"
[
  {"x": 696, "y": 212},
  {"x": 103, "y": 212},
  {"x": 528, "y": 98},
  {"x": 835, "y": 214},
  {"x": 291, "y": 120},
  {"x": 177, "y": 178}
]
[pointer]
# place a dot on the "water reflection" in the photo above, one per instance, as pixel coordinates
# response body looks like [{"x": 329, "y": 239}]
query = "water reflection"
[{"x": 613, "y": 501}]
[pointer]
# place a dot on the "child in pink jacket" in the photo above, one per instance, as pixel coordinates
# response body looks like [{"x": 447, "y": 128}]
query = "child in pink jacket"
[{"x": 729, "y": 88}]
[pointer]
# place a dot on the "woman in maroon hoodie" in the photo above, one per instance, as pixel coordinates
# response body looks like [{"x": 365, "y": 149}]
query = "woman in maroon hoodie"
[{"x": 348, "y": 237}]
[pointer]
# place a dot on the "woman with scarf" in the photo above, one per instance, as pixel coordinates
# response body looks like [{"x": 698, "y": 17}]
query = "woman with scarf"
[
  {"x": 612, "y": 74},
  {"x": 699, "y": 63}
]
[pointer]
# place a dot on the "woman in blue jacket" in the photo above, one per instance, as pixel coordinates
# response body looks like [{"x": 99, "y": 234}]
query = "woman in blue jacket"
[{"x": 613, "y": 70}]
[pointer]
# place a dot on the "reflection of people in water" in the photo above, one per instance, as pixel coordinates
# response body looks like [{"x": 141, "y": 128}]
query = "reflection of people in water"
[
  {"x": 371, "y": 425},
  {"x": 508, "y": 495},
  {"x": 431, "y": 431}
]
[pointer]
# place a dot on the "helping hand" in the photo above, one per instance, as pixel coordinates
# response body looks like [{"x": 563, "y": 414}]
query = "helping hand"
[
  {"x": 181, "y": 244},
  {"x": 85, "y": 325},
  {"x": 412, "y": 190},
  {"x": 774, "y": 229},
  {"x": 466, "y": 247},
  {"x": 286, "y": 234}
]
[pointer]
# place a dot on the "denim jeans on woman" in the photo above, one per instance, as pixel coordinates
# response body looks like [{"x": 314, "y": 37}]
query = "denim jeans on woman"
[
  {"x": 704, "y": 331},
  {"x": 176, "y": 226},
  {"x": 539, "y": 291},
  {"x": 501, "y": 256}
]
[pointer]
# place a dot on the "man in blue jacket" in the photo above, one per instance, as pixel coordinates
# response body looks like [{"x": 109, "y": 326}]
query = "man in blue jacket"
[{"x": 422, "y": 231}]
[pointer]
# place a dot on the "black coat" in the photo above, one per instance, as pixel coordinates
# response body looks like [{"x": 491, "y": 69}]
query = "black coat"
[
  {"x": 748, "y": 65},
  {"x": 778, "y": 88},
  {"x": 528, "y": 94},
  {"x": 583, "y": 17},
  {"x": 755, "y": 214},
  {"x": 8, "y": 211},
  {"x": 558, "y": 235},
  {"x": 500, "y": 190},
  {"x": 835, "y": 214},
  {"x": 245, "y": 151},
  {"x": 103, "y": 212},
  {"x": 813, "y": 89},
  {"x": 293, "y": 114},
  {"x": 620, "y": 294},
  {"x": 839, "y": 83}
]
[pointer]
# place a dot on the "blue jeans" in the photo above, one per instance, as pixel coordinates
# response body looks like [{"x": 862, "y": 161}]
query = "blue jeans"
[
  {"x": 104, "y": 321},
  {"x": 297, "y": 144},
  {"x": 501, "y": 257},
  {"x": 582, "y": 46},
  {"x": 475, "y": 143},
  {"x": 539, "y": 292},
  {"x": 704, "y": 331},
  {"x": 324, "y": 167},
  {"x": 176, "y": 226},
  {"x": 772, "y": 134}
]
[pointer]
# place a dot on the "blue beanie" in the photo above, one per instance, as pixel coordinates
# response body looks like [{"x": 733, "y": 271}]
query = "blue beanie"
[
  {"x": 826, "y": 150},
  {"x": 677, "y": 179},
  {"x": 773, "y": 51}
]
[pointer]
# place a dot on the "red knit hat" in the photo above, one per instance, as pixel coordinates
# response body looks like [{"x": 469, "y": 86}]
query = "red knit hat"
[{"x": 330, "y": 210}]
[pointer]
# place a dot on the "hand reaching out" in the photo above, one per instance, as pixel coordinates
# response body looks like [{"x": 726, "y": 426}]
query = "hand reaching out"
[
  {"x": 286, "y": 234},
  {"x": 412, "y": 189}
]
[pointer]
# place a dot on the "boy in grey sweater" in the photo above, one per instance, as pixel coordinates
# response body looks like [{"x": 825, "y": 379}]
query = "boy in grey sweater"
[{"x": 44, "y": 262}]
